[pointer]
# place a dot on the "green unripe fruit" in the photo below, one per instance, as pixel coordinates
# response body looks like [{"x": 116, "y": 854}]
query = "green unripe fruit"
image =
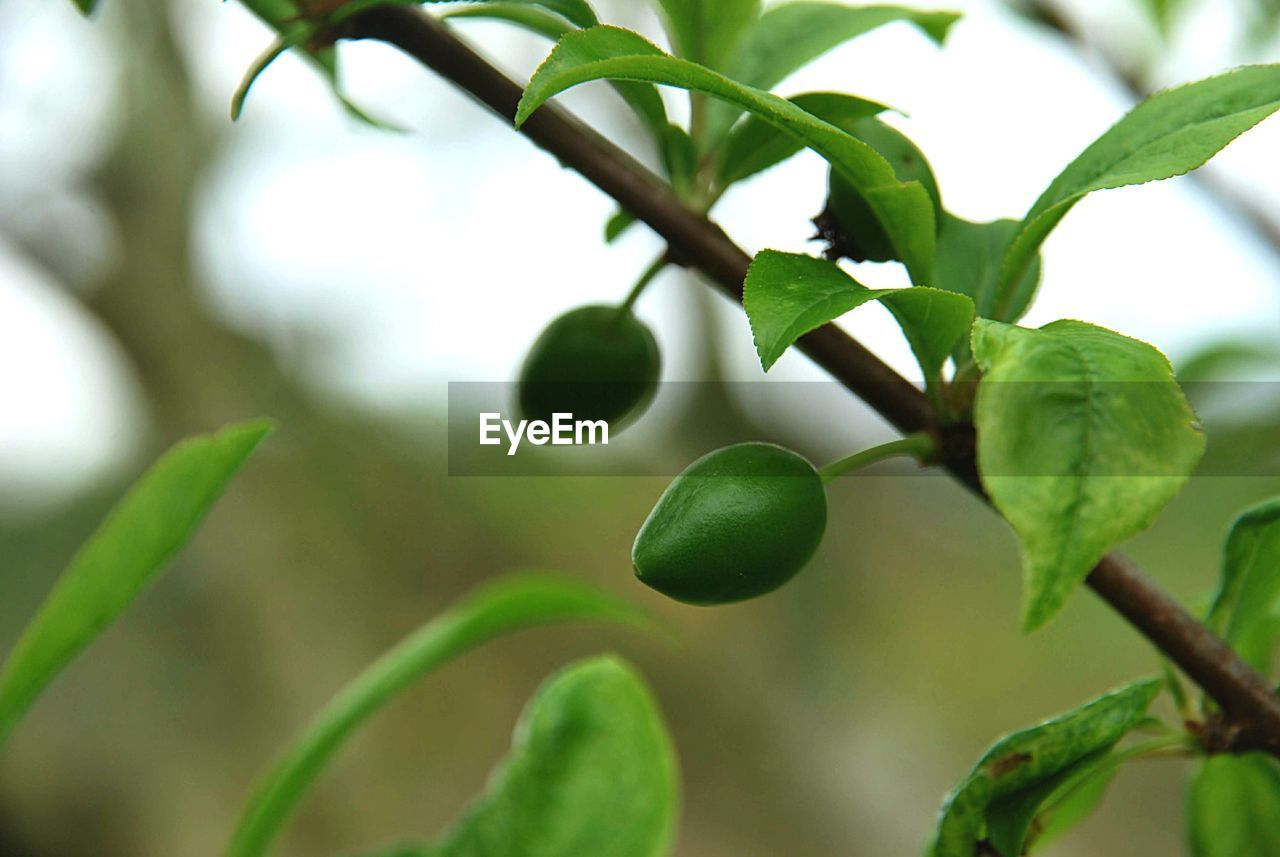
[
  {"x": 595, "y": 362},
  {"x": 737, "y": 523},
  {"x": 848, "y": 222}
]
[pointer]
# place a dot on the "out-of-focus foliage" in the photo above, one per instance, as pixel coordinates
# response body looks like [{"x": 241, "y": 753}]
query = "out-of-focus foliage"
[
  {"x": 134, "y": 544},
  {"x": 591, "y": 771},
  {"x": 501, "y": 608}
]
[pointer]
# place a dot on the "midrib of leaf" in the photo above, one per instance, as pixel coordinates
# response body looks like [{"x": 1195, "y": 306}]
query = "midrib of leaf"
[{"x": 1086, "y": 445}]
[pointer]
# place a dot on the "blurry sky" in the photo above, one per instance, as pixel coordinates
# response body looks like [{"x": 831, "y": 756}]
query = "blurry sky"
[{"x": 380, "y": 266}]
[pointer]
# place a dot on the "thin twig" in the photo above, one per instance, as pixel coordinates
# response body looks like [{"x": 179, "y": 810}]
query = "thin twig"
[{"x": 1243, "y": 695}]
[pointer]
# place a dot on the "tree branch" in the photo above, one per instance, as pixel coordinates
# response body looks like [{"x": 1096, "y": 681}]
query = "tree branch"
[{"x": 1250, "y": 707}]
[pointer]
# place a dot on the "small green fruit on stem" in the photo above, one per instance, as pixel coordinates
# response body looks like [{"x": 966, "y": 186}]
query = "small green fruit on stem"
[
  {"x": 595, "y": 362},
  {"x": 848, "y": 222},
  {"x": 737, "y": 523},
  {"x": 743, "y": 520}
]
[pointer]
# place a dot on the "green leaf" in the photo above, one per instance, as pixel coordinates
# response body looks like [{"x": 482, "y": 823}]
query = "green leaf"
[
  {"x": 755, "y": 145},
  {"x": 1079, "y": 794},
  {"x": 531, "y": 18},
  {"x": 679, "y": 153},
  {"x": 786, "y": 295},
  {"x": 1221, "y": 360},
  {"x": 591, "y": 771},
  {"x": 265, "y": 59},
  {"x": 969, "y": 257},
  {"x": 619, "y": 222},
  {"x": 1246, "y": 609},
  {"x": 1234, "y": 807},
  {"x": 1083, "y": 437},
  {"x": 904, "y": 208},
  {"x": 1169, "y": 134},
  {"x": 138, "y": 538},
  {"x": 1163, "y": 14},
  {"x": 288, "y": 19},
  {"x": 86, "y": 7},
  {"x": 642, "y": 98},
  {"x": 511, "y": 604},
  {"x": 1028, "y": 820},
  {"x": 1033, "y": 756},
  {"x": 860, "y": 235},
  {"x": 577, "y": 12},
  {"x": 707, "y": 31},
  {"x": 789, "y": 36}
]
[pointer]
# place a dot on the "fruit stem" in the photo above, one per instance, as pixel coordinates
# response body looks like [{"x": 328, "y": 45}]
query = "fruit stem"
[
  {"x": 919, "y": 445},
  {"x": 650, "y": 272}
]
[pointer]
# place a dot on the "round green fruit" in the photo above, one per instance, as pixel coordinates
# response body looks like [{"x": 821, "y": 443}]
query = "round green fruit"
[
  {"x": 595, "y": 362},
  {"x": 737, "y": 523},
  {"x": 856, "y": 231}
]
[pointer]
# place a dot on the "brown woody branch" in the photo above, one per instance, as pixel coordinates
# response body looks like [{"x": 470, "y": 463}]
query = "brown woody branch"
[{"x": 1251, "y": 710}]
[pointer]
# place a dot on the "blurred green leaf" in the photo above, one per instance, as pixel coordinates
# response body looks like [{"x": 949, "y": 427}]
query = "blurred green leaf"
[
  {"x": 531, "y": 18},
  {"x": 1030, "y": 757},
  {"x": 904, "y": 209},
  {"x": 288, "y": 20},
  {"x": 577, "y": 12},
  {"x": 789, "y": 36},
  {"x": 1246, "y": 609},
  {"x": 518, "y": 602},
  {"x": 136, "y": 541},
  {"x": 707, "y": 31},
  {"x": 1163, "y": 13},
  {"x": 755, "y": 145},
  {"x": 1083, "y": 437},
  {"x": 265, "y": 59},
  {"x": 1168, "y": 134},
  {"x": 1217, "y": 360},
  {"x": 1234, "y": 807},
  {"x": 969, "y": 257},
  {"x": 620, "y": 221},
  {"x": 679, "y": 154},
  {"x": 786, "y": 295},
  {"x": 591, "y": 771}
]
